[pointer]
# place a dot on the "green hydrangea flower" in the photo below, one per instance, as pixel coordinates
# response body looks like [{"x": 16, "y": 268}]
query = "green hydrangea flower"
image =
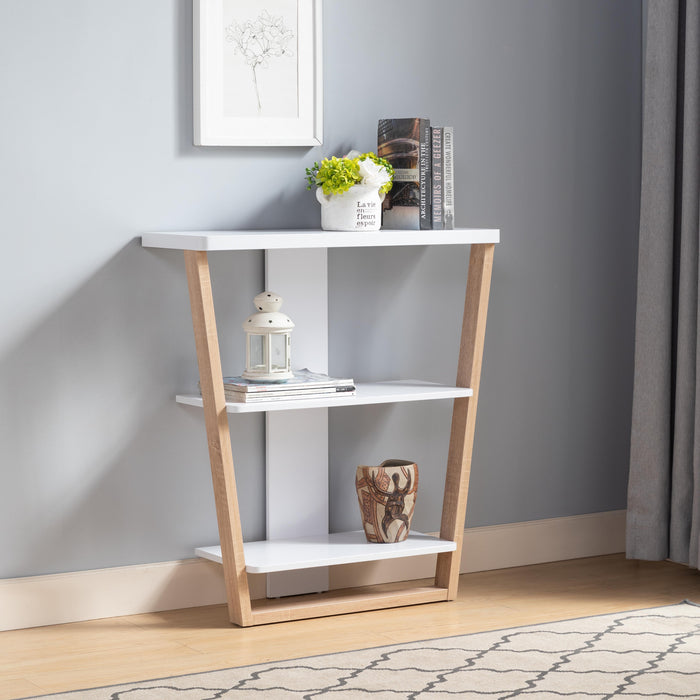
[{"x": 338, "y": 175}]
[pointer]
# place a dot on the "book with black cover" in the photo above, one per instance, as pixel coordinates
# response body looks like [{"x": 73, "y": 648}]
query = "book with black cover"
[
  {"x": 399, "y": 141},
  {"x": 425, "y": 172}
]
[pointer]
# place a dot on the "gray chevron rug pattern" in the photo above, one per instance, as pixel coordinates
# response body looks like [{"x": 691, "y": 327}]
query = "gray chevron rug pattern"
[{"x": 652, "y": 653}]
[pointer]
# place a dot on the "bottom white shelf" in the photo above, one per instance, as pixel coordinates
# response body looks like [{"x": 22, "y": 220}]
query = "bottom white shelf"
[{"x": 327, "y": 550}]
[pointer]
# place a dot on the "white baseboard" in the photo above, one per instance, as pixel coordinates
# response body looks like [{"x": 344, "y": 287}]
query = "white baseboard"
[
  {"x": 502, "y": 547},
  {"x": 36, "y": 601}
]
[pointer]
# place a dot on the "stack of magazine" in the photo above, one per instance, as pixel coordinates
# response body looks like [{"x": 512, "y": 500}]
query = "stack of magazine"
[{"x": 305, "y": 385}]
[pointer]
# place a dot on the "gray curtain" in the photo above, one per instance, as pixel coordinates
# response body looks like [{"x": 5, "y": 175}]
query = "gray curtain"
[{"x": 663, "y": 510}]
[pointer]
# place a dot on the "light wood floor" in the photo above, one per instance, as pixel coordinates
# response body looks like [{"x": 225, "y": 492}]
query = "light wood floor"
[{"x": 104, "y": 652}]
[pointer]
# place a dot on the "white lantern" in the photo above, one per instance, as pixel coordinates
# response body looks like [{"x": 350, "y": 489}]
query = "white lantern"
[{"x": 268, "y": 341}]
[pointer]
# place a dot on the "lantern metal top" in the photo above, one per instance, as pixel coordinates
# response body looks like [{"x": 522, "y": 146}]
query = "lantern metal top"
[{"x": 268, "y": 318}]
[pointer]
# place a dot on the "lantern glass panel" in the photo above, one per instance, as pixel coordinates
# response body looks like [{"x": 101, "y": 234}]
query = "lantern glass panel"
[
  {"x": 257, "y": 351},
  {"x": 278, "y": 352}
]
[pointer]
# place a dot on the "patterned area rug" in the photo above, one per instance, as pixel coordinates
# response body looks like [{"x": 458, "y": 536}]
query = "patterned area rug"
[{"x": 652, "y": 653}]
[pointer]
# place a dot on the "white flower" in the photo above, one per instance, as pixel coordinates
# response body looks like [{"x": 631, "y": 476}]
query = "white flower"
[
  {"x": 257, "y": 40},
  {"x": 373, "y": 174}
]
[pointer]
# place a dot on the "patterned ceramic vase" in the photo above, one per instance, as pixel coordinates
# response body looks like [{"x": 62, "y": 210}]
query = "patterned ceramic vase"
[{"x": 387, "y": 497}]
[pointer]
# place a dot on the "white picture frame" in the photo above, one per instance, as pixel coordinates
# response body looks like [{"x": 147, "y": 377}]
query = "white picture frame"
[{"x": 257, "y": 73}]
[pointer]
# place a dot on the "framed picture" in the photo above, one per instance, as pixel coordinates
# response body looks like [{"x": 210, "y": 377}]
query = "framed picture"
[{"x": 257, "y": 73}]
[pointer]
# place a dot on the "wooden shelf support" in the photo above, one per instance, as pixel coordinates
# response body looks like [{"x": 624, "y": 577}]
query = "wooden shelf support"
[
  {"x": 218, "y": 437},
  {"x": 341, "y": 602},
  {"x": 459, "y": 457}
]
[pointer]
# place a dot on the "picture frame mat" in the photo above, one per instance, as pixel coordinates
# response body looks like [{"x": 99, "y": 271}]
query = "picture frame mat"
[{"x": 213, "y": 128}]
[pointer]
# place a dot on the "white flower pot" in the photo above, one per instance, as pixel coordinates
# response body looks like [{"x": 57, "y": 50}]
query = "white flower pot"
[{"x": 358, "y": 209}]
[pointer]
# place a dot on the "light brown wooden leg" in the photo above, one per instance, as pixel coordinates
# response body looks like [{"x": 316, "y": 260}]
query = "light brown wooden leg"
[
  {"x": 464, "y": 415},
  {"x": 218, "y": 437}
]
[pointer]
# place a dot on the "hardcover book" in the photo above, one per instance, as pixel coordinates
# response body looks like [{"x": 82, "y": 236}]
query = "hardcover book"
[
  {"x": 448, "y": 177},
  {"x": 438, "y": 222},
  {"x": 399, "y": 141},
  {"x": 425, "y": 173}
]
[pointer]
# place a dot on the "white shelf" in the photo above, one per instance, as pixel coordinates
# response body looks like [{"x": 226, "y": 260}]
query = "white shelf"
[
  {"x": 378, "y": 392},
  {"x": 300, "y": 557},
  {"x": 269, "y": 240},
  {"x": 327, "y": 550}
]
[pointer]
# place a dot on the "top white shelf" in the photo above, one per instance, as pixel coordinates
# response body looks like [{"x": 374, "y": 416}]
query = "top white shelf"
[{"x": 269, "y": 240}]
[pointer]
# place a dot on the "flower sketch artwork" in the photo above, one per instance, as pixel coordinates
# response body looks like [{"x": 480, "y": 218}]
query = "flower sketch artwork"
[
  {"x": 258, "y": 72},
  {"x": 260, "y": 66}
]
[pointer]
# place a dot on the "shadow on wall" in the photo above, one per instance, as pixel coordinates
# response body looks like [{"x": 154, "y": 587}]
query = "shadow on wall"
[
  {"x": 406, "y": 306},
  {"x": 405, "y": 303},
  {"x": 102, "y": 468},
  {"x": 292, "y": 206},
  {"x": 367, "y": 435}
]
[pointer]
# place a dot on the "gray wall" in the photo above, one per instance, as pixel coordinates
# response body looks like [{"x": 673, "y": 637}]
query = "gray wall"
[{"x": 100, "y": 468}]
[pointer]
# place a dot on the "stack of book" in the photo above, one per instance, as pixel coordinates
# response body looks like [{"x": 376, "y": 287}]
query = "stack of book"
[
  {"x": 305, "y": 385},
  {"x": 423, "y": 160}
]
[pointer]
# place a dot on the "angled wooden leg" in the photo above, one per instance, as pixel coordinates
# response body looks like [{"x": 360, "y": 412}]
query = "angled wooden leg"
[
  {"x": 218, "y": 437},
  {"x": 464, "y": 415}
]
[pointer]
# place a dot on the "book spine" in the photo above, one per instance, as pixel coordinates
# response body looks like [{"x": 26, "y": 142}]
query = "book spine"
[
  {"x": 398, "y": 140},
  {"x": 448, "y": 177},
  {"x": 438, "y": 221},
  {"x": 425, "y": 167}
]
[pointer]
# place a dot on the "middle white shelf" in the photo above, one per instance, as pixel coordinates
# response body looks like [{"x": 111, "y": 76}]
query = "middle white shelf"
[{"x": 370, "y": 393}]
